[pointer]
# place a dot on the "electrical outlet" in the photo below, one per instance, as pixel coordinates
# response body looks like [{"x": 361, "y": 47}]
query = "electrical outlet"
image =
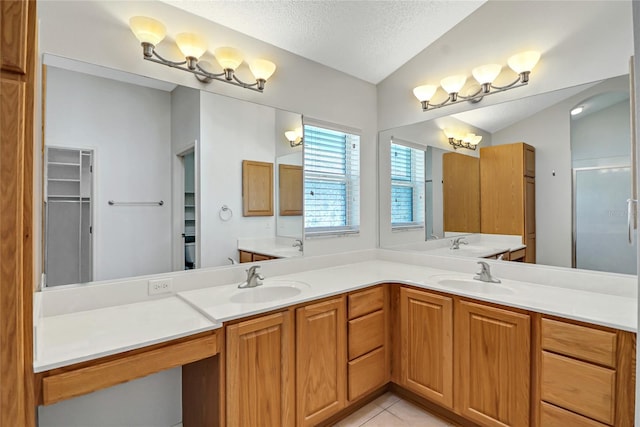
[{"x": 160, "y": 286}]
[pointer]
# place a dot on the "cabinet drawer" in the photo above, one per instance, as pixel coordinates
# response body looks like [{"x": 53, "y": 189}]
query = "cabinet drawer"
[
  {"x": 581, "y": 342},
  {"x": 366, "y": 373},
  {"x": 366, "y": 301},
  {"x": 579, "y": 387},
  {"x": 365, "y": 334},
  {"x": 552, "y": 416},
  {"x": 517, "y": 255}
]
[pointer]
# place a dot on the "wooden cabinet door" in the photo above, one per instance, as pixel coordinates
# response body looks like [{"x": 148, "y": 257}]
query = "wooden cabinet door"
[
  {"x": 13, "y": 37},
  {"x": 321, "y": 361},
  {"x": 426, "y": 329},
  {"x": 260, "y": 375},
  {"x": 530, "y": 218},
  {"x": 461, "y": 192},
  {"x": 493, "y": 375},
  {"x": 257, "y": 188},
  {"x": 290, "y": 190}
]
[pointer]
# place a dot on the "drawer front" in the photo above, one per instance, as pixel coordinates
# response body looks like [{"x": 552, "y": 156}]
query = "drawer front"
[
  {"x": 516, "y": 255},
  {"x": 366, "y": 373},
  {"x": 365, "y": 334},
  {"x": 579, "y": 387},
  {"x": 581, "y": 342},
  {"x": 552, "y": 416},
  {"x": 367, "y": 301}
]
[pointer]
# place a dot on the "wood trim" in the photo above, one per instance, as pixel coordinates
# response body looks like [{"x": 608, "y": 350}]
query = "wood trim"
[
  {"x": 394, "y": 339},
  {"x": 102, "y": 375},
  {"x": 625, "y": 379},
  {"x": 536, "y": 360}
]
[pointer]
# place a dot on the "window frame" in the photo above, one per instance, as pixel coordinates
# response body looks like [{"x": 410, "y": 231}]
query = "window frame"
[{"x": 417, "y": 186}]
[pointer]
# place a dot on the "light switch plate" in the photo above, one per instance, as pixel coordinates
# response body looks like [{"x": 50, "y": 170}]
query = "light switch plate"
[{"x": 160, "y": 286}]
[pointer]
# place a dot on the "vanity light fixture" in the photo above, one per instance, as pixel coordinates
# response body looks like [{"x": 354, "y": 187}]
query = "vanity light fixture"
[
  {"x": 485, "y": 75},
  {"x": 151, "y": 32},
  {"x": 469, "y": 141},
  {"x": 294, "y": 137},
  {"x": 577, "y": 110}
]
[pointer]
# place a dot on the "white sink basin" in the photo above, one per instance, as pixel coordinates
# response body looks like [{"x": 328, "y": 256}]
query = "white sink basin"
[
  {"x": 464, "y": 283},
  {"x": 269, "y": 291}
]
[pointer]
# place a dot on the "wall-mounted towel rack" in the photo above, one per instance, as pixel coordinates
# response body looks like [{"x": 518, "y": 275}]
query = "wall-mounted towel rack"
[{"x": 114, "y": 203}]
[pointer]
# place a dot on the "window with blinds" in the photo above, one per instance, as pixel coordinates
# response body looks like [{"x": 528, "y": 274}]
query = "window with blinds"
[
  {"x": 331, "y": 181},
  {"x": 407, "y": 187}
]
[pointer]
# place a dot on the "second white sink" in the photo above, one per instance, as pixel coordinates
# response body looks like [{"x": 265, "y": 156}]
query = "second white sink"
[
  {"x": 269, "y": 291},
  {"x": 463, "y": 283}
]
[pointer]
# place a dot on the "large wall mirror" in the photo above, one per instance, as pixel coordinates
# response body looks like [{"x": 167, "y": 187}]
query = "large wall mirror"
[
  {"x": 143, "y": 176},
  {"x": 582, "y": 142}
]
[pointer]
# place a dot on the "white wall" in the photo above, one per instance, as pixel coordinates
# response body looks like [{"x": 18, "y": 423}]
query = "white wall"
[
  {"x": 131, "y": 160},
  {"x": 287, "y": 226},
  {"x": 231, "y": 131},
  {"x": 549, "y": 132}
]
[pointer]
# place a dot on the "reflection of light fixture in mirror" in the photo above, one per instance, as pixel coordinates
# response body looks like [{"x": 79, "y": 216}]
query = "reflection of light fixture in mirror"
[
  {"x": 469, "y": 141},
  {"x": 577, "y": 110},
  {"x": 521, "y": 63},
  {"x": 151, "y": 32},
  {"x": 294, "y": 137}
]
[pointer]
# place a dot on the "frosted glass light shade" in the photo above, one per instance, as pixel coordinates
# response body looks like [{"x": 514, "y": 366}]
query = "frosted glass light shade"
[
  {"x": 291, "y": 135},
  {"x": 475, "y": 140},
  {"x": 191, "y": 45},
  {"x": 469, "y": 137},
  {"x": 262, "y": 69},
  {"x": 229, "y": 58},
  {"x": 486, "y": 73},
  {"x": 523, "y": 62},
  {"x": 425, "y": 92},
  {"x": 453, "y": 84},
  {"x": 147, "y": 30}
]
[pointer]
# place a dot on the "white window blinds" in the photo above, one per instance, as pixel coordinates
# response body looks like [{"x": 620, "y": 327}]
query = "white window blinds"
[
  {"x": 331, "y": 181},
  {"x": 407, "y": 187}
]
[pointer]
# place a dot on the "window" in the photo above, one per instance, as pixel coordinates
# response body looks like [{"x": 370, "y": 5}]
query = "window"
[
  {"x": 331, "y": 181},
  {"x": 407, "y": 187}
]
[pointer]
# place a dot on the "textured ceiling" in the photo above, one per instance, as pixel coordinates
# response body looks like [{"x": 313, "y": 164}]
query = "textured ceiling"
[{"x": 366, "y": 39}]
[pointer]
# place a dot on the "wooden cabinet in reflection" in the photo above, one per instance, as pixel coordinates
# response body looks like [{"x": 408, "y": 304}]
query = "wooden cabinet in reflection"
[
  {"x": 507, "y": 186},
  {"x": 257, "y": 188},
  {"x": 290, "y": 190},
  {"x": 461, "y": 193}
]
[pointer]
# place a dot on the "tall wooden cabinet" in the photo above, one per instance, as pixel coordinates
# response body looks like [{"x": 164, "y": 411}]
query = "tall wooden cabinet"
[
  {"x": 493, "y": 356},
  {"x": 461, "y": 193},
  {"x": 260, "y": 375},
  {"x": 426, "y": 356},
  {"x": 17, "y": 90},
  {"x": 321, "y": 361},
  {"x": 507, "y": 186}
]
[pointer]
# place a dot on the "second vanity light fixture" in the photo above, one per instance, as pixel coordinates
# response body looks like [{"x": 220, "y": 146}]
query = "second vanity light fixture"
[
  {"x": 294, "y": 137},
  {"x": 151, "y": 32},
  {"x": 469, "y": 141},
  {"x": 521, "y": 63}
]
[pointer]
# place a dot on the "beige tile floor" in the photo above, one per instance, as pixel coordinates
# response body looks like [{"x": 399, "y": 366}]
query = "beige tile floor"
[{"x": 391, "y": 411}]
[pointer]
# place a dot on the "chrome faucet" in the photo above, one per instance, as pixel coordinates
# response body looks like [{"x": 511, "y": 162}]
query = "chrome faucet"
[
  {"x": 434, "y": 236},
  {"x": 253, "y": 278},
  {"x": 298, "y": 244},
  {"x": 455, "y": 243},
  {"x": 484, "y": 275}
]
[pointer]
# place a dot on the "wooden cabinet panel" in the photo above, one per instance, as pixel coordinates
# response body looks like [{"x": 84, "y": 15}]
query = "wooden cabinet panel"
[
  {"x": 426, "y": 333},
  {"x": 290, "y": 190},
  {"x": 492, "y": 347},
  {"x": 552, "y": 416},
  {"x": 259, "y": 257},
  {"x": 530, "y": 205},
  {"x": 245, "y": 256},
  {"x": 581, "y": 342},
  {"x": 366, "y": 333},
  {"x": 367, "y": 301},
  {"x": 321, "y": 361},
  {"x": 529, "y": 161},
  {"x": 13, "y": 37},
  {"x": 530, "y": 251},
  {"x": 461, "y": 192},
  {"x": 257, "y": 188},
  {"x": 517, "y": 255},
  {"x": 260, "y": 375},
  {"x": 578, "y": 386},
  {"x": 367, "y": 373}
]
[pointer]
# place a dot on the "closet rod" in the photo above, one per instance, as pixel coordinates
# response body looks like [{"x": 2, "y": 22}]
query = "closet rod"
[{"x": 114, "y": 203}]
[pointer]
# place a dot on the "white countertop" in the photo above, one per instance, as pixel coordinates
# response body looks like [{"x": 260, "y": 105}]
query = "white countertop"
[
  {"x": 474, "y": 251},
  {"x": 602, "y": 309},
  {"x": 85, "y": 335}
]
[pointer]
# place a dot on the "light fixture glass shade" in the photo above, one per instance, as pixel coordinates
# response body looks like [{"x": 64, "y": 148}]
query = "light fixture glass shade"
[
  {"x": 475, "y": 140},
  {"x": 291, "y": 135},
  {"x": 425, "y": 92},
  {"x": 147, "y": 30},
  {"x": 191, "y": 45},
  {"x": 523, "y": 62},
  {"x": 453, "y": 84},
  {"x": 469, "y": 137},
  {"x": 577, "y": 110},
  {"x": 229, "y": 58},
  {"x": 262, "y": 69},
  {"x": 486, "y": 73}
]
